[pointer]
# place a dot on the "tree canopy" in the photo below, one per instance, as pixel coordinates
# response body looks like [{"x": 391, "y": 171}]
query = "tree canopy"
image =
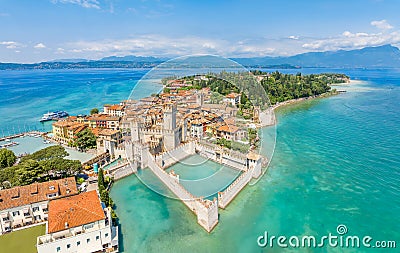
[
  {"x": 85, "y": 140},
  {"x": 275, "y": 86},
  {"x": 43, "y": 165},
  {"x": 7, "y": 158},
  {"x": 56, "y": 151},
  {"x": 94, "y": 111}
]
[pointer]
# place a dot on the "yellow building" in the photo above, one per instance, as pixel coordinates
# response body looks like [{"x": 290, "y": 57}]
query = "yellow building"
[{"x": 64, "y": 131}]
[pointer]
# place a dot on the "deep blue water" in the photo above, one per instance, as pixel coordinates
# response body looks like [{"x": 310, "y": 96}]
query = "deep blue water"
[{"x": 26, "y": 95}]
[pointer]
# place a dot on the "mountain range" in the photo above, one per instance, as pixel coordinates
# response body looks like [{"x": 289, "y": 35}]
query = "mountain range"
[
  {"x": 386, "y": 56},
  {"x": 369, "y": 57}
]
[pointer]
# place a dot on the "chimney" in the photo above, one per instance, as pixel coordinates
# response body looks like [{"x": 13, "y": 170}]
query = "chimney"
[{"x": 66, "y": 225}]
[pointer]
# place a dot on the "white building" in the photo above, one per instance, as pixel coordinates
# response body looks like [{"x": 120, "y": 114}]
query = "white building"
[
  {"x": 232, "y": 98},
  {"x": 196, "y": 129},
  {"x": 79, "y": 223},
  {"x": 26, "y": 205},
  {"x": 108, "y": 141},
  {"x": 114, "y": 110}
]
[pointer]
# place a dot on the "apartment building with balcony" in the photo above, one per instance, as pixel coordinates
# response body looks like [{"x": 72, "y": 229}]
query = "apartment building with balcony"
[
  {"x": 79, "y": 223},
  {"x": 27, "y": 205}
]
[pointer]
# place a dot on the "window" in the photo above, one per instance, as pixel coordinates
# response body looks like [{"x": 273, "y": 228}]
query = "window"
[
  {"x": 106, "y": 235},
  {"x": 51, "y": 195},
  {"x": 88, "y": 240},
  {"x": 68, "y": 246},
  {"x": 15, "y": 213},
  {"x": 89, "y": 226},
  {"x": 35, "y": 209},
  {"x": 58, "y": 249},
  {"x": 78, "y": 243},
  {"x": 97, "y": 237},
  {"x": 51, "y": 188}
]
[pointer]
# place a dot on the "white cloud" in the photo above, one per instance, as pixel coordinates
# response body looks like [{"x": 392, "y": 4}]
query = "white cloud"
[
  {"x": 350, "y": 40},
  {"x": 84, "y": 3},
  {"x": 40, "y": 45},
  {"x": 11, "y": 44},
  {"x": 293, "y": 37},
  {"x": 60, "y": 50},
  {"x": 157, "y": 45},
  {"x": 381, "y": 24}
]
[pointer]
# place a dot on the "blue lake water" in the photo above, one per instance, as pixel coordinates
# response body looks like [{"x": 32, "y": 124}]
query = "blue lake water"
[
  {"x": 25, "y": 95},
  {"x": 336, "y": 162}
]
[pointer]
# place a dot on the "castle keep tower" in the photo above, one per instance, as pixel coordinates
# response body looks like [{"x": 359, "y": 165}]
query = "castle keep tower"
[
  {"x": 171, "y": 133},
  {"x": 169, "y": 116}
]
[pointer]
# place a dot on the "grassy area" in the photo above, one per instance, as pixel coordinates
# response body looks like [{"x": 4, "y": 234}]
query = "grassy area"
[{"x": 21, "y": 241}]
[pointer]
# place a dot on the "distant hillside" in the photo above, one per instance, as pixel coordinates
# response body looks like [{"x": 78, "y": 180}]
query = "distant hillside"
[
  {"x": 369, "y": 57},
  {"x": 386, "y": 56},
  {"x": 133, "y": 58},
  {"x": 78, "y": 65}
]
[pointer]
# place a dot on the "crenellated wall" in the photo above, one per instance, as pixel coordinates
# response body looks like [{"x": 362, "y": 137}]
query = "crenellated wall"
[
  {"x": 123, "y": 170},
  {"x": 173, "y": 156},
  {"x": 206, "y": 210},
  {"x": 222, "y": 156},
  {"x": 226, "y": 196}
]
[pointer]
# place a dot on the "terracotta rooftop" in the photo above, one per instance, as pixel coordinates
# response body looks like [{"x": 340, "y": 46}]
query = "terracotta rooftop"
[
  {"x": 232, "y": 95},
  {"x": 95, "y": 131},
  {"x": 228, "y": 129},
  {"x": 116, "y": 107},
  {"x": 107, "y": 132},
  {"x": 74, "y": 211},
  {"x": 64, "y": 123},
  {"x": 105, "y": 117},
  {"x": 36, "y": 192}
]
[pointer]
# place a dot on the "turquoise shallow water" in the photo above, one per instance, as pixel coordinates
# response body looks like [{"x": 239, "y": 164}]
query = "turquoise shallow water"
[
  {"x": 203, "y": 177},
  {"x": 336, "y": 162}
]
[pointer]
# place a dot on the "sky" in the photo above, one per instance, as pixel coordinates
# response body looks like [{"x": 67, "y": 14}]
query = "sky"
[{"x": 42, "y": 30}]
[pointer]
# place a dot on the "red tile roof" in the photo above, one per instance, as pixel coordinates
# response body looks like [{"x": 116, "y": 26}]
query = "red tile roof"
[
  {"x": 74, "y": 211},
  {"x": 115, "y": 107},
  {"x": 232, "y": 95},
  {"x": 36, "y": 192},
  {"x": 228, "y": 129}
]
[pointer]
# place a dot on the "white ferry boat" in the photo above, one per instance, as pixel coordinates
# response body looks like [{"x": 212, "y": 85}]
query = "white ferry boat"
[{"x": 53, "y": 115}]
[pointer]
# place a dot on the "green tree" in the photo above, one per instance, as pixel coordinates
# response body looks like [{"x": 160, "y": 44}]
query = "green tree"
[
  {"x": 105, "y": 197},
  {"x": 61, "y": 167},
  {"x": 47, "y": 153},
  {"x": 30, "y": 171},
  {"x": 9, "y": 175},
  {"x": 7, "y": 158},
  {"x": 94, "y": 111},
  {"x": 85, "y": 140},
  {"x": 100, "y": 179}
]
